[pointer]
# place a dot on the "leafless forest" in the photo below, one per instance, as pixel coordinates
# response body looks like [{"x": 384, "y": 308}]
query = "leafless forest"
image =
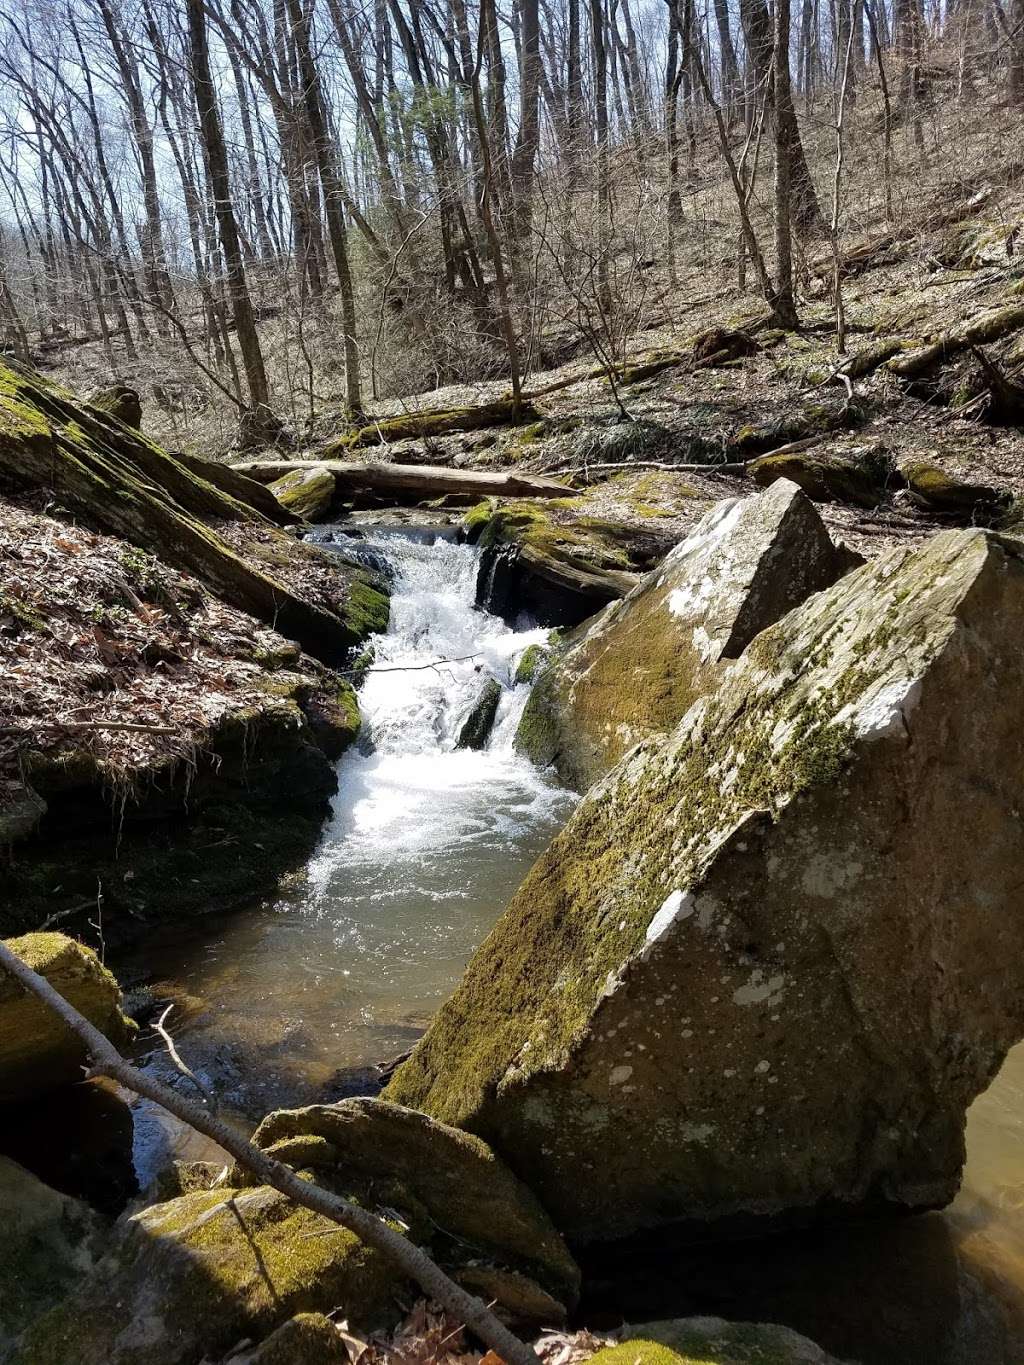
[{"x": 258, "y": 208}]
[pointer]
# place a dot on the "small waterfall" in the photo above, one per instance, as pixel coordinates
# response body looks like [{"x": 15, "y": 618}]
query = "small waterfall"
[{"x": 414, "y": 815}]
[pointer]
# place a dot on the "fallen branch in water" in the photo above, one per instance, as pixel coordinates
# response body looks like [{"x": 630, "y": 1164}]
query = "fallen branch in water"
[
  {"x": 161, "y": 1028},
  {"x": 410, "y": 1259},
  {"x": 416, "y": 668}
]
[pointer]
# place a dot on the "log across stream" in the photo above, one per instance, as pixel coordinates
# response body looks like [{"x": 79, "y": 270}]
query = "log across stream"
[{"x": 286, "y": 1002}]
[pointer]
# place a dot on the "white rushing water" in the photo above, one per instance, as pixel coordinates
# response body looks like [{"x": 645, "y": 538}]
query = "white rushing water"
[{"x": 414, "y": 815}]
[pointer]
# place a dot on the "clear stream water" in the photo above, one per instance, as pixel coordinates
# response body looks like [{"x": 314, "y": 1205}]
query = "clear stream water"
[{"x": 425, "y": 846}]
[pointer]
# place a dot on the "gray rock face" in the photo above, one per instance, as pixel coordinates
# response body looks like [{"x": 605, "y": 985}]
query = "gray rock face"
[
  {"x": 774, "y": 955},
  {"x": 645, "y": 660}
]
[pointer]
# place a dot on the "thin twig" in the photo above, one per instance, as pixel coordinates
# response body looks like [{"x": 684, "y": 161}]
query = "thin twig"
[
  {"x": 410, "y": 1259},
  {"x": 161, "y": 1028}
]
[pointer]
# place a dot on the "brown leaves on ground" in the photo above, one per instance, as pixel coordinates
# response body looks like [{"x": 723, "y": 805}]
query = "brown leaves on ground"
[
  {"x": 96, "y": 633},
  {"x": 429, "y": 1336}
]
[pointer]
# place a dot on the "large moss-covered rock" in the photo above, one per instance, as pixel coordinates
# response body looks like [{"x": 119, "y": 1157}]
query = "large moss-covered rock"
[
  {"x": 308, "y": 493},
  {"x": 643, "y": 662},
  {"x": 445, "y": 1182},
  {"x": 773, "y": 956},
  {"x": 827, "y": 477},
  {"x": 711, "y": 1341},
  {"x": 50, "y": 1242},
  {"x": 191, "y": 1277},
  {"x": 554, "y": 562},
  {"x": 37, "y": 1049}
]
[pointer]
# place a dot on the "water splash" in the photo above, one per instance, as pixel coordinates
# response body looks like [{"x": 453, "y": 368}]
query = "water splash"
[{"x": 414, "y": 816}]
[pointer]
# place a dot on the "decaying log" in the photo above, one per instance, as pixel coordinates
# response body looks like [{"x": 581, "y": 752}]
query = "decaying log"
[
  {"x": 1003, "y": 399},
  {"x": 409, "y": 1258},
  {"x": 435, "y": 422},
  {"x": 353, "y": 478},
  {"x": 989, "y": 326}
]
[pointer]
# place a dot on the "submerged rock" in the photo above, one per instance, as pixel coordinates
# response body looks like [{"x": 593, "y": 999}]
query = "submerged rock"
[
  {"x": 50, "y": 1242},
  {"x": 711, "y": 1341},
  {"x": 477, "y": 727},
  {"x": 189, "y": 1278},
  {"x": 774, "y": 955},
  {"x": 37, "y": 1049},
  {"x": 644, "y": 661}
]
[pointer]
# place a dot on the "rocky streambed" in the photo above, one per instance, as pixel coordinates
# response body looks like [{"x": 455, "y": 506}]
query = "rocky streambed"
[{"x": 716, "y": 1056}]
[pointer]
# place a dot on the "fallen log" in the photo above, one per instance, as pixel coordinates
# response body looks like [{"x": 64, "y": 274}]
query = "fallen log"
[
  {"x": 435, "y": 422},
  {"x": 355, "y": 478},
  {"x": 990, "y": 326},
  {"x": 866, "y": 254}
]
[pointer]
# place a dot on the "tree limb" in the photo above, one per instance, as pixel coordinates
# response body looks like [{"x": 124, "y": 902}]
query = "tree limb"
[{"x": 410, "y": 1259}]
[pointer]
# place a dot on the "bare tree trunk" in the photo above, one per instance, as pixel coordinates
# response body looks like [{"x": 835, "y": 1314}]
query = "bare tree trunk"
[
  {"x": 330, "y": 179},
  {"x": 757, "y": 26},
  {"x": 783, "y": 302},
  {"x": 217, "y": 157}
]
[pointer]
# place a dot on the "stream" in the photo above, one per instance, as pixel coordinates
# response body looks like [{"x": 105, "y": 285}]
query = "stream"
[{"x": 287, "y": 1002}]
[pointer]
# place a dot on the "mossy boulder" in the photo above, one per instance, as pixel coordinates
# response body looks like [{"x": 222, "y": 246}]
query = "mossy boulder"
[
  {"x": 121, "y": 402},
  {"x": 50, "y": 1243},
  {"x": 309, "y": 493},
  {"x": 711, "y": 1341},
  {"x": 643, "y": 662},
  {"x": 529, "y": 664},
  {"x": 189, "y": 1278},
  {"x": 37, "y": 1049},
  {"x": 306, "y": 1339},
  {"x": 554, "y": 563},
  {"x": 940, "y": 493},
  {"x": 476, "y": 728},
  {"x": 450, "y": 1187},
  {"x": 825, "y": 477},
  {"x": 773, "y": 956}
]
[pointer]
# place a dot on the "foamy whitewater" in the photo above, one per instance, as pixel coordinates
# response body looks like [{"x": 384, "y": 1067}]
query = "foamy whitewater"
[{"x": 413, "y": 814}]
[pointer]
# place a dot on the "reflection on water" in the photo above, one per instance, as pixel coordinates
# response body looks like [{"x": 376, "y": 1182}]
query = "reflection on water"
[{"x": 425, "y": 846}]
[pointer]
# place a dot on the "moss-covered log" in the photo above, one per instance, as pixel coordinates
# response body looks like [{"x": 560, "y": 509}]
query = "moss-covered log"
[
  {"x": 238, "y": 486},
  {"x": 434, "y": 422},
  {"x": 989, "y": 326},
  {"x": 118, "y": 481},
  {"x": 356, "y": 479}
]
